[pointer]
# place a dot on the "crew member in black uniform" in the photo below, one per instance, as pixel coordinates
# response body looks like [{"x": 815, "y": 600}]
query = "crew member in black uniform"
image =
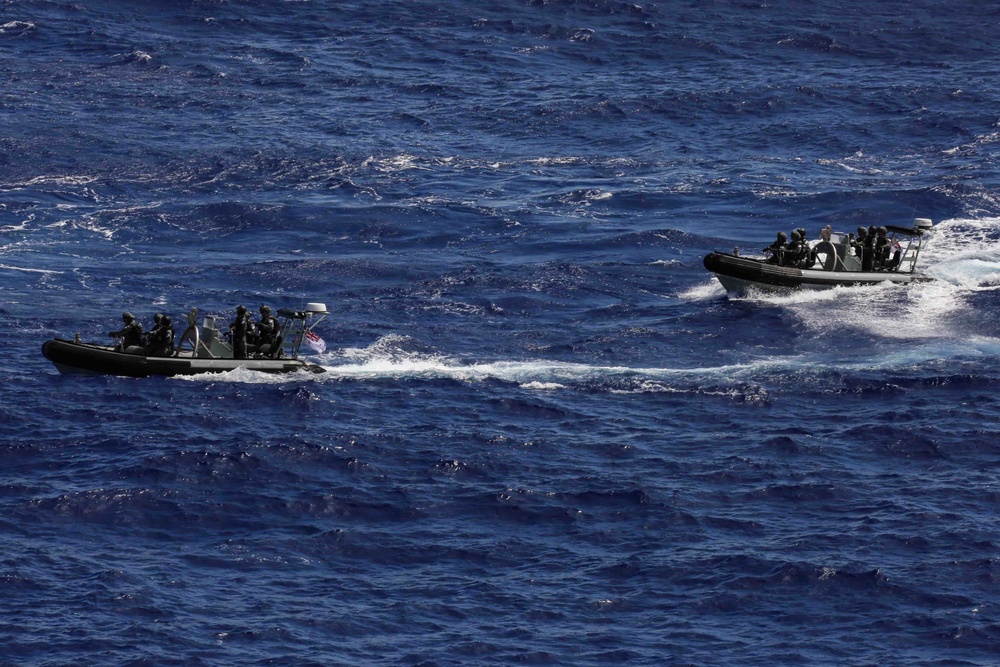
[
  {"x": 267, "y": 331},
  {"x": 160, "y": 341},
  {"x": 776, "y": 250},
  {"x": 239, "y": 331},
  {"x": 130, "y": 333},
  {"x": 796, "y": 250},
  {"x": 882, "y": 246},
  {"x": 863, "y": 249},
  {"x": 869, "y": 249},
  {"x": 149, "y": 335}
]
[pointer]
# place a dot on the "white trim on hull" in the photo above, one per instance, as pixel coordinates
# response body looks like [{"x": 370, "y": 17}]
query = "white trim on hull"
[
  {"x": 836, "y": 260},
  {"x": 823, "y": 282}
]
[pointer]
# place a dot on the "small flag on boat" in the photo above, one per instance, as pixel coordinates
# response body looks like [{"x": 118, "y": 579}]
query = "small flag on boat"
[{"x": 315, "y": 343}]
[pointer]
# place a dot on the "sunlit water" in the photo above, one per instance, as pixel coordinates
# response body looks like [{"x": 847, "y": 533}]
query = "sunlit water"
[{"x": 544, "y": 433}]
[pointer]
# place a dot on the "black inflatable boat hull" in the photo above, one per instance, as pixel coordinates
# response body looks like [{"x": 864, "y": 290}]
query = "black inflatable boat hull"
[{"x": 71, "y": 357}]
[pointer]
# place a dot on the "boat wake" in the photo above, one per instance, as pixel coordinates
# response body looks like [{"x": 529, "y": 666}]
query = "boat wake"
[
  {"x": 751, "y": 378},
  {"x": 963, "y": 256},
  {"x": 966, "y": 254},
  {"x": 8, "y": 267},
  {"x": 935, "y": 319}
]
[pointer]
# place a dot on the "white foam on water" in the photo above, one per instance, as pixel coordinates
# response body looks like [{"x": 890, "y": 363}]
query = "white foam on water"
[
  {"x": 26, "y": 270},
  {"x": 50, "y": 180},
  {"x": 887, "y": 311},
  {"x": 537, "y": 374},
  {"x": 244, "y": 376},
  {"x": 396, "y": 163},
  {"x": 378, "y": 363},
  {"x": 387, "y": 359},
  {"x": 963, "y": 256},
  {"x": 549, "y": 376},
  {"x": 903, "y": 358},
  {"x": 965, "y": 253},
  {"x": 703, "y": 292},
  {"x": 544, "y": 386}
]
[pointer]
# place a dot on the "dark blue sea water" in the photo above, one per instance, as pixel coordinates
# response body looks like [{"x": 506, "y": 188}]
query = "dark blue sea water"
[{"x": 546, "y": 435}]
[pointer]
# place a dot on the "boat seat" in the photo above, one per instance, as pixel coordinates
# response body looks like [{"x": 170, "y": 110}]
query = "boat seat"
[{"x": 271, "y": 350}]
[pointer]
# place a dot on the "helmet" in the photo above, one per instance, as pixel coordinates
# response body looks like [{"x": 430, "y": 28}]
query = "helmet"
[
  {"x": 882, "y": 230},
  {"x": 165, "y": 320},
  {"x": 796, "y": 236},
  {"x": 158, "y": 317},
  {"x": 127, "y": 317},
  {"x": 240, "y": 309},
  {"x": 265, "y": 310},
  {"x": 781, "y": 235},
  {"x": 862, "y": 231}
]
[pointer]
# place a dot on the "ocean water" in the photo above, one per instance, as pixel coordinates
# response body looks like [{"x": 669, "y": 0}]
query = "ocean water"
[{"x": 545, "y": 435}]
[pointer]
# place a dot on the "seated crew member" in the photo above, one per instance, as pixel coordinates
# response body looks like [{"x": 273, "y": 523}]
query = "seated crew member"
[
  {"x": 160, "y": 341},
  {"x": 805, "y": 244},
  {"x": 870, "y": 250},
  {"x": 795, "y": 250},
  {"x": 157, "y": 323},
  {"x": 806, "y": 258},
  {"x": 130, "y": 334},
  {"x": 776, "y": 250},
  {"x": 238, "y": 329},
  {"x": 252, "y": 341},
  {"x": 862, "y": 249},
  {"x": 882, "y": 248},
  {"x": 267, "y": 331}
]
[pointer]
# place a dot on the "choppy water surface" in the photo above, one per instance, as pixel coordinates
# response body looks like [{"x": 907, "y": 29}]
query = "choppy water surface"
[{"x": 545, "y": 434}]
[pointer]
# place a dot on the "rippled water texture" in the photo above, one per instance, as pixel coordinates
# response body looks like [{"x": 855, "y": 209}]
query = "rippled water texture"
[{"x": 545, "y": 435}]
